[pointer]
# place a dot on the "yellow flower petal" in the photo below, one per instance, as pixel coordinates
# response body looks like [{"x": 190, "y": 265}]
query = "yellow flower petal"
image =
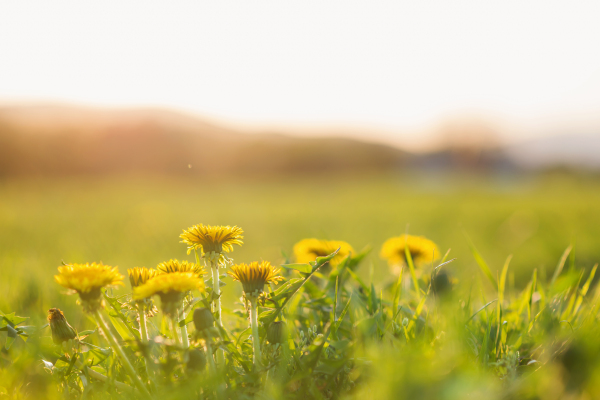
[
  {"x": 255, "y": 275},
  {"x": 309, "y": 249},
  {"x": 168, "y": 267},
  {"x": 86, "y": 278},
  {"x": 212, "y": 238},
  {"x": 165, "y": 284}
]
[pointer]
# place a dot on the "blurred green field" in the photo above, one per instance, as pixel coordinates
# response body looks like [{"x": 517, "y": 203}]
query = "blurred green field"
[{"x": 132, "y": 221}]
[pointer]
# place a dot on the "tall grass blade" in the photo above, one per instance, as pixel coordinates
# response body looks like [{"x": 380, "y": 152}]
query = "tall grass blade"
[
  {"x": 480, "y": 261},
  {"x": 397, "y": 292},
  {"x": 561, "y": 265},
  {"x": 411, "y": 267}
]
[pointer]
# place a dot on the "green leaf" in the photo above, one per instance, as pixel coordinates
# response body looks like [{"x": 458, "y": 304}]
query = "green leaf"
[
  {"x": 12, "y": 335},
  {"x": 397, "y": 292},
  {"x": 320, "y": 261},
  {"x": 304, "y": 268},
  {"x": 357, "y": 279},
  {"x": 480, "y": 310},
  {"x": 411, "y": 268},
  {"x": 119, "y": 320},
  {"x": 315, "y": 351},
  {"x": 338, "y": 322},
  {"x": 373, "y": 299},
  {"x": 484, "y": 347},
  {"x": 96, "y": 354},
  {"x": 330, "y": 367},
  {"x": 11, "y": 319},
  {"x": 318, "y": 264}
]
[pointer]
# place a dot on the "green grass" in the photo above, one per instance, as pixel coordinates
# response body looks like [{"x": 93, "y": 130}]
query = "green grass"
[
  {"x": 136, "y": 222},
  {"x": 522, "y": 329}
]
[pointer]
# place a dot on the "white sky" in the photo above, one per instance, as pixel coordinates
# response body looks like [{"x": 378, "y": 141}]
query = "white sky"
[{"x": 402, "y": 66}]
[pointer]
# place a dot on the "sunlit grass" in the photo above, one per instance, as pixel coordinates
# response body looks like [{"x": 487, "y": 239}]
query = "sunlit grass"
[
  {"x": 510, "y": 312},
  {"x": 127, "y": 222}
]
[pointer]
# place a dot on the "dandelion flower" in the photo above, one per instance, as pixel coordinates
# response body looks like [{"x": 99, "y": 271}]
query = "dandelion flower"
[
  {"x": 309, "y": 249},
  {"x": 170, "y": 288},
  {"x": 421, "y": 249},
  {"x": 61, "y": 330},
  {"x": 140, "y": 275},
  {"x": 168, "y": 267},
  {"x": 212, "y": 239},
  {"x": 254, "y": 276},
  {"x": 87, "y": 280}
]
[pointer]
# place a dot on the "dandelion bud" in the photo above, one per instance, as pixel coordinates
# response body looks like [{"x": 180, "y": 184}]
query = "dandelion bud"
[
  {"x": 441, "y": 284},
  {"x": 61, "y": 330},
  {"x": 196, "y": 361},
  {"x": 405, "y": 322},
  {"x": 277, "y": 332},
  {"x": 203, "y": 319}
]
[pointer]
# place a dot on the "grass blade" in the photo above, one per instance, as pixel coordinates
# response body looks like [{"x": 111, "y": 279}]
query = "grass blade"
[
  {"x": 561, "y": 265},
  {"x": 480, "y": 261}
]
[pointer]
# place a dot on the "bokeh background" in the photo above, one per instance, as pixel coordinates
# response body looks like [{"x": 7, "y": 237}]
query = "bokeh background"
[{"x": 122, "y": 124}]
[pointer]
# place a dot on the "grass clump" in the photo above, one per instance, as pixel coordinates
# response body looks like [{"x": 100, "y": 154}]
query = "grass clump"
[{"x": 321, "y": 333}]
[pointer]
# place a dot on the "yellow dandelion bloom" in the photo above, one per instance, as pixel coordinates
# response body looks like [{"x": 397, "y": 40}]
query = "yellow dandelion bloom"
[
  {"x": 168, "y": 267},
  {"x": 140, "y": 275},
  {"x": 211, "y": 239},
  {"x": 255, "y": 275},
  {"x": 87, "y": 279},
  {"x": 166, "y": 284},
  {"x": 309, "y": 249},
  {"x": 421, "y": 249}
]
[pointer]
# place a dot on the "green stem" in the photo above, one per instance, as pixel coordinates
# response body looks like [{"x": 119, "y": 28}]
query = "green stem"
[
  {"x": 119, "y": 350},
  {"x": 285, "y": 357},
  {"x": 174, "y": 330},
  {"x": 254, "y": 326},
  {"x": 211, "y": 361},
  {"x": 184, "y": 333},
  {"x": 411, "y": 267},
  {"x": 103, "y": 378},
  {"x": 143, "y": 325},
  {"x": 217, "y": 291},
  {"x": 144, "y": 336},
  {"x": 214, "y": 266}
]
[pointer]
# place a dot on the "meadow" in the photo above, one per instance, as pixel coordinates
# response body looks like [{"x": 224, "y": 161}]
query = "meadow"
[{"x": 132, "y": 221}]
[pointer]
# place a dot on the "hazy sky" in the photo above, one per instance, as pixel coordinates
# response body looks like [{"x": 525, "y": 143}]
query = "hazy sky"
[{"x": 404, "y": 66}]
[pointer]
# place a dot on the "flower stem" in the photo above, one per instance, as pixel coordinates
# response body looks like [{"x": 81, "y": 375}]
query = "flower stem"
[
  {"x": 119, "y": 350},
  {"x": 184, "y": 333},
  {"x": 214, "y": 266},
  {"x": 144, "y": 336},
  {"x": 174, "y": 331},
  {"x": 103, "y": 378},
  {"x": 217, "y": 291},
  {"x": 211, "y": 361},
  {"x": 254, "y": 326},
  {"x": 143, "y": 325}
]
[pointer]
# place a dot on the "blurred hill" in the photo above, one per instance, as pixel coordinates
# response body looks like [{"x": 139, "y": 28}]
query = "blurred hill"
[
  {"x": 576, "y": 151},
  {"x": 61, "y": 140},
  {"x": 57, "y": 140}
]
